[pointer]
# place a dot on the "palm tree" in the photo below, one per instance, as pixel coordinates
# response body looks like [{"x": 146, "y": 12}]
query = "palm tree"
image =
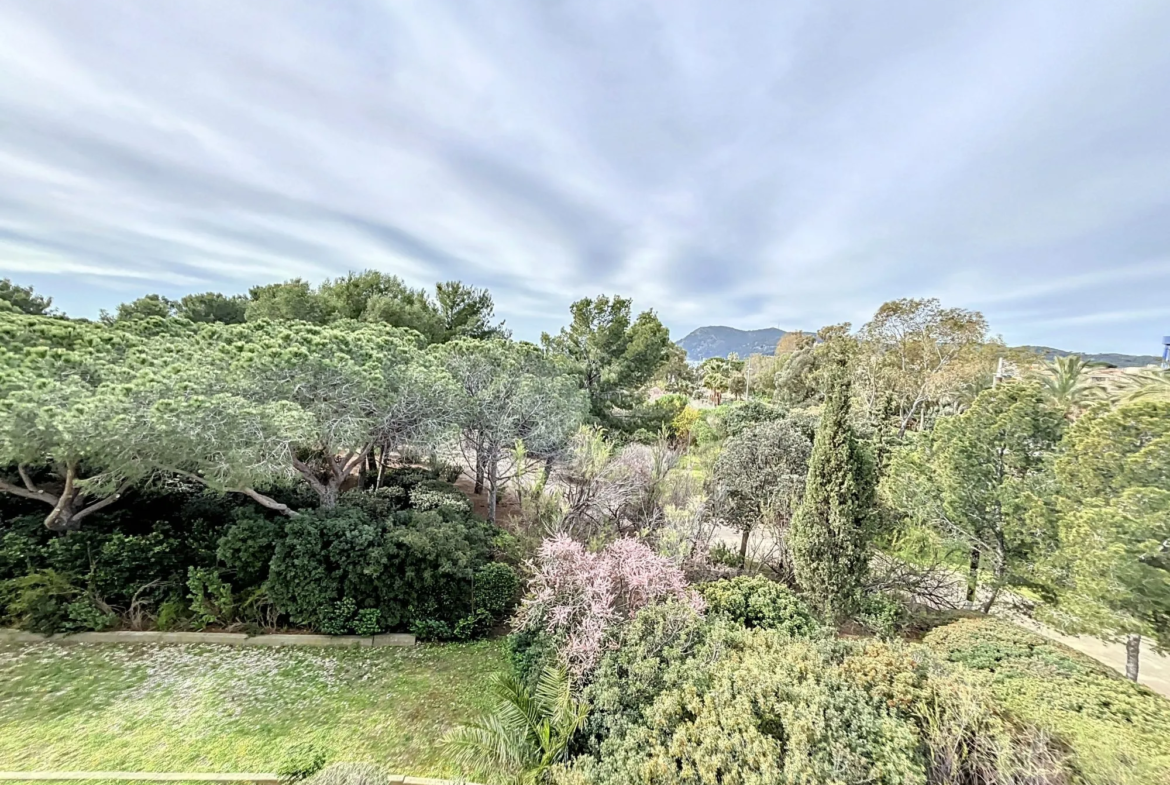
[
  {"x": 525, "y": 733},
  {"x": 1067, "y": 384},
  {"x": 1149, "y": 385}
]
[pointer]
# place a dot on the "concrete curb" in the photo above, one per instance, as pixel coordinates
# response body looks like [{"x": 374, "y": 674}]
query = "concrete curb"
[{"x": 221, "y": 638}]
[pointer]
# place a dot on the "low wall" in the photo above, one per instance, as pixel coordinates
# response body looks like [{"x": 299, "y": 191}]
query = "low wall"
[{"x": 221, "y": 638}]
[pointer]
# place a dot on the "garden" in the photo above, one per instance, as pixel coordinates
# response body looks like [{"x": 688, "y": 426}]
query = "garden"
[{"x": 614, "y": 574}]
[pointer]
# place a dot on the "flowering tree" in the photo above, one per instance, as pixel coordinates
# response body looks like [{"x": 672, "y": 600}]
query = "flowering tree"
[{"x": 580, "y": 598}]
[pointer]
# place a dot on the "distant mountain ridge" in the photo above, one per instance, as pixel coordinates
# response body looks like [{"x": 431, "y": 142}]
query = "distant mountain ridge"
[
  {"x": 719, "y": 341},
  {"x": 1119, "y": 360}
]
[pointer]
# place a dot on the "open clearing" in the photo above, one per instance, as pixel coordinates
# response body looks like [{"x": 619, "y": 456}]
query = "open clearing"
[{"x": 94, "y": 707}]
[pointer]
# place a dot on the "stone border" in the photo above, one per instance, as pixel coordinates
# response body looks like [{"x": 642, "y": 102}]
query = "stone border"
[
  {"x": 146, "y": 776},
  {"x": 222, "y": 638}
]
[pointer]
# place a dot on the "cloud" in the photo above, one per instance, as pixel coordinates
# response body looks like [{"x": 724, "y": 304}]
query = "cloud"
[{"x": 752, "y": 164}]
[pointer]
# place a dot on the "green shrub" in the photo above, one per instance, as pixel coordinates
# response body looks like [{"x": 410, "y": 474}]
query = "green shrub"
[
  {"x": 84, "y": 614},
  {"x": 436, "y": 494},
  {"x": 756, "y": 602},
  {"x": 40, "y": 601},
  {"x": 768, "y": 709},
  {"x": 173, "y": 614},
  {"x": 338, "y": 620},
  {"x": 246, "y": 546},
  {"x": 496, "y": 587},
  {"x": 531, "y": 652},
  {"x": 211, "y": 597},
  {"x": 882, "y": 614},
  {"x": 411, "y": 566},
  {"x": 367, "y": 621},
  {"x": 1114, "y": 729}
]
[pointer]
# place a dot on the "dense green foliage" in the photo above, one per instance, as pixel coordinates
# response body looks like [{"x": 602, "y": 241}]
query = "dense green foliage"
[
  {"x": 1115, "y": 729},
  {"x": 831, "y": 532},
  {"x": 756, "y": 602}
]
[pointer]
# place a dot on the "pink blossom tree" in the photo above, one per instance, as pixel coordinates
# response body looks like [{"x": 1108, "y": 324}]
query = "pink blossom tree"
[{"x": 581, "y": 598}]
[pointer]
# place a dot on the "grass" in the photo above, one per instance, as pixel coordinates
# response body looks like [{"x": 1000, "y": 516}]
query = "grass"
[{"x": 217, "y": 708}]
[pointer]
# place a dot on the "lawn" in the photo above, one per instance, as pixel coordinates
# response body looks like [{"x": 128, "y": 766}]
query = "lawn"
[{"x": 220, "y": 708}]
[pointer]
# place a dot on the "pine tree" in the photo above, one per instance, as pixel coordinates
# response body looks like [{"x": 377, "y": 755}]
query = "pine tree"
[{"x": 831, "y": 531}]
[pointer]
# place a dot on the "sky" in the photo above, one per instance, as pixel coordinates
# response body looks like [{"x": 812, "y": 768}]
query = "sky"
[{"x": 752, "y": 164}]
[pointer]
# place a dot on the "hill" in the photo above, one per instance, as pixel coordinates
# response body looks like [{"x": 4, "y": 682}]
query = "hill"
[
  {"x": 1118, "y": 360},
  {"x": 720, "y": 341}
]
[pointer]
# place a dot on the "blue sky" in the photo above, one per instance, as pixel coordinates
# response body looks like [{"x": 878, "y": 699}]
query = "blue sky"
[{"x": 785, "y": 164}]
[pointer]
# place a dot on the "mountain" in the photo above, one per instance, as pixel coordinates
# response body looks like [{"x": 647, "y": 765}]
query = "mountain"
[
  {"x": 717, "y": 341},
  {"x": 721, "y": 341},
  {"x": 1118, "y": 360}
]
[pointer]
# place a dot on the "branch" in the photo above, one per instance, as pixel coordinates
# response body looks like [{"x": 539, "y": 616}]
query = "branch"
[
  {"x": 252, "y": 493},
  {"x": 99, "y": 505},
  {"x": 26, "y": 480},
  {"x": 36, "y": 495},
  {"x": 309, "y": 475}
]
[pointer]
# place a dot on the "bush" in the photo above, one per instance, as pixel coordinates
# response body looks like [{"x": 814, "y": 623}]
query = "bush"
[
  {"x": 301, "y": 762},
  {"x": 882, "y": 614},
  {"x": 1114, "y": 729},
  {"x": 246, "y": 546},
  {"x": 530, "y": 652},
  {"x": 496, "y": 586},
  {"x": 411, "y": 566},
  {"x": 436, "y": 494},
  {"x": 756, "y": 602},
  {"x": 40, "y": 601},
  {"x": 211, "y": 597}
]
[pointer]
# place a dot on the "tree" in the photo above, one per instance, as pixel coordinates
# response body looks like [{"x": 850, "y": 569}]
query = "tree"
[
  {"x": 1110, "y": 573},
  {"x": 142, "y": 308},
  {"x": 509, "y": 393},
  {"x": 526, "y": 732},
  {"x": 915, "y": 352},
  {"x": 975, "y": 480},
  {"x": 467, "y": 312},
  {"x": 831, "y": 532},
  {"x": 67, "y": 419},
  {"x": 1149, "y": 385},
  {"x": 373, "y": 296},
  {"x": 293, "y": 300},
  {"x": 612, "y": 355},
  {"x": 759, "y": 477},
  {"x": 716, "y": 382},
  {"x": 737, "y": 385},
  {"x": 1067, "y": 384},
  {"x": 212, "y": 307},
  {"x": 22, "y": 299}
]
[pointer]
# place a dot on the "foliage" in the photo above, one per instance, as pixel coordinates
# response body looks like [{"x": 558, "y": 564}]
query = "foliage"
[
  {"x": 526, "y": 732},
  {"x": 759, "y": 477},
  {"x": 976, "y": 477},
  {"x": 210, "y": 307},
  {"x": 831, "y": 531},
  {"x": 211, "y": 597},
  {"x": 496, "y": 587},
  {"x": 246, "y": 547},
  {"x": 612, "y": 355},
  {"x": 1109, "y": 573},
  {"x": 22, "y": 299},
  {"x": 756, "y": 602},
  {"x": 882, "y": 614},
  {"x": 39, "y": 601},
  {"x": 1114, "y": 729},
  {"x": 580, "y": 598},
  {"x": 1066, "y": 383},
  {"x": 410, "y": 566}
]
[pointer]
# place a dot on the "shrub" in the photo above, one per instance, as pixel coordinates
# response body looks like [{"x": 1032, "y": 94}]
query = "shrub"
[
  {"x": 496, "y": 586},
  {"x": 530, "y": 651},
  {"x": 411, "y": 566},
  {"x": 767, "y": 710},
  {"x": 367, "y": 621},
  {"x": 338, "y": 620},
  {"x": 40, "y": 601},
  {"x": 1113, "y": 728},
  {"x": 758, "y": 602},
  {"x": 211, "y": 597},
  {"x": 436, "y": 494},
  {"x": 579, "y": 598},
  {"x": 246, "y": 546},
  {"x": 882, "y": 614}
]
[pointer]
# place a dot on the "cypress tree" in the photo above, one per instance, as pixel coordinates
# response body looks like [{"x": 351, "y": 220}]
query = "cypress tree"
[{"x": 830, "y": 533}]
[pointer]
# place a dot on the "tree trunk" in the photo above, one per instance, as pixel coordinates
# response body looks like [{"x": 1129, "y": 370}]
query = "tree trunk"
[
  {"x": 69, "y": 506},
  {"x": 743, "y": 543},
  {"x": 478, "y": 471},
  {"x": 972, "y": 577},
  {"x": 1133, "y": 652},
  {"x": 492, "y": 482},
  {"x": 548, "y": 464}
]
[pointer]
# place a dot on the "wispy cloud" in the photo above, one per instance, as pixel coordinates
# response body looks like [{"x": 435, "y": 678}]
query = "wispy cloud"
[{"x": 789, "y": 164}]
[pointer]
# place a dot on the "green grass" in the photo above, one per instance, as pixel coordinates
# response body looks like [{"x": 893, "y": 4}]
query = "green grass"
[{"x": 94, "y": 707}]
